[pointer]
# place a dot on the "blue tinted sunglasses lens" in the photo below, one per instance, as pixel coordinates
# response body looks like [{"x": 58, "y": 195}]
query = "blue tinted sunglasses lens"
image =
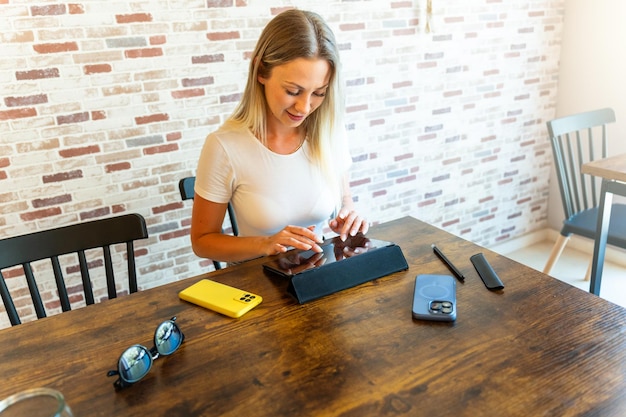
[
  {"x": 167, "y": 338},
  {"x": 136, "y": 361}
]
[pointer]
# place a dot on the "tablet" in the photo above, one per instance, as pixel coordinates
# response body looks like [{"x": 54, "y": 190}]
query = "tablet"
[{"x": 334, "y": 250}]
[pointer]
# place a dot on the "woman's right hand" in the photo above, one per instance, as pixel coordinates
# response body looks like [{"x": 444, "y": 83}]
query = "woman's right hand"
[{"x": 293, "y": 237}]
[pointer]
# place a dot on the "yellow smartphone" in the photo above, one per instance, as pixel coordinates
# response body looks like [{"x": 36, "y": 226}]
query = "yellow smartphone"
[{"x": 221, "y": 298}]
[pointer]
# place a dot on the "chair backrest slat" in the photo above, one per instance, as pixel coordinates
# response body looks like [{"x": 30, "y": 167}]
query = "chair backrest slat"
[
  {"x": 186, "y": 188},
  {"x": 7, "y": 300},
  {"x": 60, "y": 281},
  {"x": 34, "y": 291},
  {"x": 132, "y": 270},
  {"x": 77, "y": 238},
  {"x": 576, "y": 140},
  {"x": 86, "y": 279},
  {"x": 108, "y": 267}
]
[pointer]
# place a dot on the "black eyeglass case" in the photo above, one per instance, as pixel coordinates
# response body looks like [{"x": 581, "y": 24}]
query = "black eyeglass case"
[{"x": 336, "y": 275}]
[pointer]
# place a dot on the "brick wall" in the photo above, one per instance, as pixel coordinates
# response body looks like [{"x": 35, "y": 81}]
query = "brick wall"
[{"x": 105, "y": 105}]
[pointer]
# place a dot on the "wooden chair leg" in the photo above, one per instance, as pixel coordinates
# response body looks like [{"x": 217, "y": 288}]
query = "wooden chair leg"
[{"x": 557, "y": 249}]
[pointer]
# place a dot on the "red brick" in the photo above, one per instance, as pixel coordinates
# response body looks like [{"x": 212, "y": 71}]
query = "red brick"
[
  {"x": 408, "y": 178},
  {"x": 153, "y": 118},
  {"x": 173, "y": 235},
  {"x": 428, "y": 64},
  {"x": 402, "y": 84},
  {"x": 207, "y": 59},
  {"x": 4, "y": 162},
  {"x": 100, "y": 212},
  {"x": 401, "y": 4},
  {"x": 26, "y": 100},
  {"x": 354, "y": 109},
  {"x": 230, "y": 98},
  {"x": 143, "y": 53},
  {"x": 69, "y": 153},
  {"x": 52, "y": 201},
  {"x": 404, "y": 109},
  {"x": 17, "y": 113},
  {"x": 451, "y": 161},
  {"x": 194, "y": 82},
  {"x": 73, "y": 118},
  {"x": 352, "y": 26},
  {"x": 40, "y": 214},
  {"x": 3, "y": 175},
  {"x": 404, "y": 32},
  {"x": 360, "y": 182},
  {"x": 133, "y": 18},
  {"x": 62, "y": 176},
  {"x": 121, "y": 166},
  {"x": 118, "y": 208},
  {"x": 161, "y": 149},
  {"x": 52, "y": 48},
  {"x": 192, "y": 92},
  {"x": 49, "y": 10},
  {"x": 158, "y": 40},
  {"x": 450, "y": 223},
  {"x": 37, "y": 74},
  {"x": 168, "y": 207},
  {"x": 96, "y": 69},
  {"x": 75, "y": 8},
  {"x": 222, "y": 36},
  {"x": 98, "y": 115},
  {"x": 219, "y": 3},
  {"x": 173, "y": 136},
  {"x": 404, "y": 156}
]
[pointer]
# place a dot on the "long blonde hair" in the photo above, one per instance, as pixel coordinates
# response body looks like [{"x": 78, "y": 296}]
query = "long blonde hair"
[{"x": 290, "y": 35}]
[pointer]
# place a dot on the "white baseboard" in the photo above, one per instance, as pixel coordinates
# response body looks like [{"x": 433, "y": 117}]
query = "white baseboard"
[{"x": 612, "y": 254}]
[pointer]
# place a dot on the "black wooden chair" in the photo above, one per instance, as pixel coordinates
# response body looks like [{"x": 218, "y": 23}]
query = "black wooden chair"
[
  {"x": 577, "y": 139},
  {"x": 77, "y": 238},
  {"x": 186, "y": 186}
]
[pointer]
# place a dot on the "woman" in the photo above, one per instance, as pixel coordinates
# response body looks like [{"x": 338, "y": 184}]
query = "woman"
[{"x": 281, "y": 158}]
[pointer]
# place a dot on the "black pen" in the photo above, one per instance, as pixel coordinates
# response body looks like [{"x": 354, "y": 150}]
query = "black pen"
[{"x": 445, "y": 260}]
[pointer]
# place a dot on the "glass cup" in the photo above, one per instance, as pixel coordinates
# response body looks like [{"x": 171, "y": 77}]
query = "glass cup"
[{"x": 35, "y": 402}]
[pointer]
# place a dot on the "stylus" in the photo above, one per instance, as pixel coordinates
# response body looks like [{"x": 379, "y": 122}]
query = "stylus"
[{"x": 450, "y": 265}]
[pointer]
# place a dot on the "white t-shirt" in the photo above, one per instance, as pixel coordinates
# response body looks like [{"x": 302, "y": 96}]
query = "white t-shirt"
[{"x": 268, "y": 191}]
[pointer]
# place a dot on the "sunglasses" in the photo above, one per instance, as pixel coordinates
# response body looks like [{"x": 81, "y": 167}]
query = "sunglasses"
[{"x": 136, "y": 361}]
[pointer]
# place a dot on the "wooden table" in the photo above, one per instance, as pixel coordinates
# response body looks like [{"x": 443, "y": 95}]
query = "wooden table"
[
  {"x": 612, "y": 170},
  {"x": 539, "y": 347}
]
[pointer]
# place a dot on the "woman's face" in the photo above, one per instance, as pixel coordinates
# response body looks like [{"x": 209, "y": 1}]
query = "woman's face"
[{"x": 294, "y": 90}]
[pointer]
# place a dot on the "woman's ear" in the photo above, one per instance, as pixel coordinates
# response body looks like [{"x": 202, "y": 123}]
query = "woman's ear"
[{"x": 260, "y": 70}]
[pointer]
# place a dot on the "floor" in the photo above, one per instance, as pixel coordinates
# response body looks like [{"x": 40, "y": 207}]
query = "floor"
[{"x": 571, "y": 268}]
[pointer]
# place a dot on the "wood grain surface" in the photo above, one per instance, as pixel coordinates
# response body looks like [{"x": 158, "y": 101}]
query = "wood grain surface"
[
  {"x": 539, "y": 347},
  {"x": 612, "y": 168}
]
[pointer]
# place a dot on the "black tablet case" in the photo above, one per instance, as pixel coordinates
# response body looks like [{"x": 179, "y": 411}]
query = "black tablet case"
[{"x": 350, "y": 272}]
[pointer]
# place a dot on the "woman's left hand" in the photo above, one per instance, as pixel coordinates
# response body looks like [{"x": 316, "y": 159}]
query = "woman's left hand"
[{"x": 348, "y": 223}]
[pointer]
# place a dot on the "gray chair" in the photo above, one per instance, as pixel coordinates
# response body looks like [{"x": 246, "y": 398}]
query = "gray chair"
[
  {"x": 77, "y": 238},
  {"x": 186, "y": 188},
  {"x": 577, "y": 139}
]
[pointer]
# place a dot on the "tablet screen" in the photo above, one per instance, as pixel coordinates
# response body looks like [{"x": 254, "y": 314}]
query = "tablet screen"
[{"x": 334, "y": 250}]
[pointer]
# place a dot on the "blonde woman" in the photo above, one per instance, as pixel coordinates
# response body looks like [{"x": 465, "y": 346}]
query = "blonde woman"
[{"x": 281, "y": 159}]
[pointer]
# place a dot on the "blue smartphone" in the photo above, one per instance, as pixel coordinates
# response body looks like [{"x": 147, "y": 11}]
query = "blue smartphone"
[{"x": 434, "y": 298}]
